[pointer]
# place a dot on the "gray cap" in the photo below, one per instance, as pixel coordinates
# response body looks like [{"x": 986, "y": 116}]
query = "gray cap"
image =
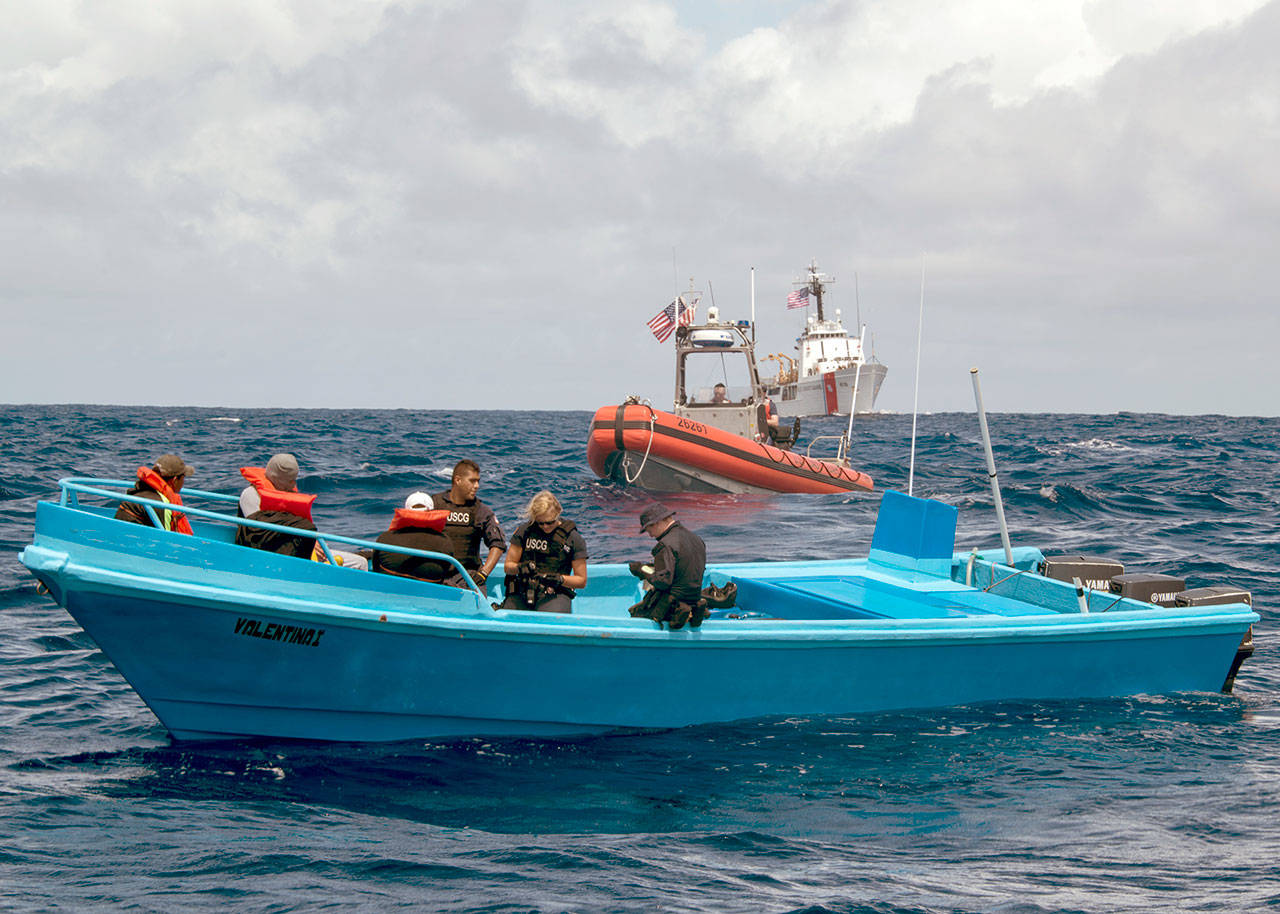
[
  {"x": 282, "y": 471},
  {"x": 171, "y": 465},
  {"x": 654, "y": 512}
]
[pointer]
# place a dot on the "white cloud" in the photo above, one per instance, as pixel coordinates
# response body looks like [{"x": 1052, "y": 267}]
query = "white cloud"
[
  {"x": 488, "y": 180},
  {"x": 835, "y": 73}
]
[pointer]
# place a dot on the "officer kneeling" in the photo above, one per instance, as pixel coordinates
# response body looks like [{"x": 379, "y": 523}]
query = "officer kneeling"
[
  {"x": 679, "y": 560},
  {"x": 547, "y": 560}
]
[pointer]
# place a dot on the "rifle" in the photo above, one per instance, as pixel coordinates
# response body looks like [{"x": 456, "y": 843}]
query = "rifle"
[{"x": 529, "y": 584}]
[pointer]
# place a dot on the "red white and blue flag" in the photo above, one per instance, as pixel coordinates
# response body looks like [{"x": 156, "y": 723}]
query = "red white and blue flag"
[
  {"x": 798, "y": 299},
  {"x": 666, "y": 320}
]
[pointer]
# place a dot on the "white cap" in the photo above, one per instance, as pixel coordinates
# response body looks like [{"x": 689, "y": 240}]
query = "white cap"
[{"x": 419, "y": 501}]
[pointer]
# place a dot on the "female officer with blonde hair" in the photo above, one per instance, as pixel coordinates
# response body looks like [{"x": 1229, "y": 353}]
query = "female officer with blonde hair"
[{"x": 547, "y": 559}]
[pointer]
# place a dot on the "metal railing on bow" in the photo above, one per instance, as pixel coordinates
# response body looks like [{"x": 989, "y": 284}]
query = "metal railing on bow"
[{"x": 74, "y": 486}]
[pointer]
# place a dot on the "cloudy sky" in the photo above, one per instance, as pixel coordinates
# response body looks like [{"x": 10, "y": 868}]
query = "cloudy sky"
[{"x": 479, "y": 204}]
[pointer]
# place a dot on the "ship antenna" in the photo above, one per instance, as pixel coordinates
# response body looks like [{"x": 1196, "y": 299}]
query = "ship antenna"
[
  {"x": 753, "y": 310},
  {"x": 857, "y": 301},
  {"x": 915, "y": 406},
  {"x": 815, "y": 281}
]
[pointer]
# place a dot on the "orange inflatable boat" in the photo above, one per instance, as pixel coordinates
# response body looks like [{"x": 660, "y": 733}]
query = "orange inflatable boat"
[{"x": 662, "y": 452}]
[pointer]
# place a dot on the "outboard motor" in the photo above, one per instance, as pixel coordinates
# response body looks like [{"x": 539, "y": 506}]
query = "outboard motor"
[
  {"x": 1094, "y": 573},
  {"x": 1216, "y": 596},
  {"x": 1160, "y": 589}
]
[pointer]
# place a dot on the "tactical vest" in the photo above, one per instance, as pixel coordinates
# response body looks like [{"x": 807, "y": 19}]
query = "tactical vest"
[
  {"x": 462, "y": 531},
  {"x": 549, "y": 552}
]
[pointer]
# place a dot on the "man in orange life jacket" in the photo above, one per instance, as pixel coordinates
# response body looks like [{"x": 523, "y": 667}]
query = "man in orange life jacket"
[
  {"x": 417, "y": 526},
  {"x": 161, "y": 483},
  {"x": 470, "y": 521},
  {"x": 288, "y": 508}
]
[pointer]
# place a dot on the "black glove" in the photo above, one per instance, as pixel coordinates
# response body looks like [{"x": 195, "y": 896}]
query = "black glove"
[
  {"x": 527, "y": 569},
  {"x": 551, "y": 582},
  {"x": 641, "y": 570}
]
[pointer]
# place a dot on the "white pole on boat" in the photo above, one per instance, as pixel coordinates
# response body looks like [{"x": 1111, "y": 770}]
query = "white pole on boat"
[
  {"x": 915, "y": 406},
  {"x": 991, "y": 467},
  {"x": 753, "y": 305},
  {"x": 853, "y": 402}
]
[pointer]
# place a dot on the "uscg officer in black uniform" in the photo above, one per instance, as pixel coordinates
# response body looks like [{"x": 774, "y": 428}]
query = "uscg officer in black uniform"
[
  {"x": 679, "y": 560},
  {"x": 470, "y": 522},
  {"x": 547, "y": 560}
]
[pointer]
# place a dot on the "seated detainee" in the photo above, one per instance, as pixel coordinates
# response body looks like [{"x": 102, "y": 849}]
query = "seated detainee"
[
  {"x": 160, "y": 482},
  {"x": 273, "y": 498},
  {"x": 719, "y": 394},
  {"x": 774, "y": 432},
  {"x": 547, "y": 560},
  {"x": 417, "y": 526}
]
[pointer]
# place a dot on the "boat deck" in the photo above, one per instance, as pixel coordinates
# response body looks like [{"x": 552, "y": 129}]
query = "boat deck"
[{"x": 896, "y": 582}]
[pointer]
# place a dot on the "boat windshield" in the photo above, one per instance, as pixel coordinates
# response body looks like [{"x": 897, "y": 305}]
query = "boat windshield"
[{"x": 704, "y": 370}]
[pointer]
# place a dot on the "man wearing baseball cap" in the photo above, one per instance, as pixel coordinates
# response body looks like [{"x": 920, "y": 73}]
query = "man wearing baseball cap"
[
  {"x": 679, "y": 560},
  {"x": 281, "y": 476},
  {"x": 418, "y": 525},
  {"x": 160, "y": 482}
]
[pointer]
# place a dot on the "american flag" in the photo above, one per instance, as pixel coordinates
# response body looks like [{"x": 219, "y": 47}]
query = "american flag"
[
  {"x": 662, "y": 323},
  {"x": 798, "y": 299}
]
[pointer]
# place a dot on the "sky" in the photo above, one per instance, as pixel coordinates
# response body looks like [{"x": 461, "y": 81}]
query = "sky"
[{"x": 478, "y": 205}]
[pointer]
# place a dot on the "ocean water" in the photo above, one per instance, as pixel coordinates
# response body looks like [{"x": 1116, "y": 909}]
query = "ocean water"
[{"x": 1138, "y": 804}]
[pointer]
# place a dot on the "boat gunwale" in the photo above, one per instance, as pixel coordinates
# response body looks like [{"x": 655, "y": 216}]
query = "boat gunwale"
[
  {"x": 1171, "y": 621},
  {"x": 482, "y": 618}
]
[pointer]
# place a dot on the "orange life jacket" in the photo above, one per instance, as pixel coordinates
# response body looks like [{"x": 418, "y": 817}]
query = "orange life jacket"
[
  {"x": 273, "y": 499},
  {"x": 419, "y": 519},
  {"x": 154, "y": 481}
]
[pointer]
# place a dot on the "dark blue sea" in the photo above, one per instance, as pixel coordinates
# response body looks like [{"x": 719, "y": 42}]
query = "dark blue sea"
[{"x": 1134, "y": 804}]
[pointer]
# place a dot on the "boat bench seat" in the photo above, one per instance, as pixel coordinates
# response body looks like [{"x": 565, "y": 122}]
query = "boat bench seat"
[{"x": 857, "y": 597}]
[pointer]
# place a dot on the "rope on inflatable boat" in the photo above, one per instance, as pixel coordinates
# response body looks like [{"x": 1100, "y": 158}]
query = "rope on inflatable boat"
[{"x": 636, "y": 401}]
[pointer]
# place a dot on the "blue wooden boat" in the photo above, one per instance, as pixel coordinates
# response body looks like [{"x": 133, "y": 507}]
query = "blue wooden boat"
[{"x": 223, "y": 641}]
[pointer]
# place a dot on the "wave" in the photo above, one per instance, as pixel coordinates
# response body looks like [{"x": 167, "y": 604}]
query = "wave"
[{"x": 931, "y": 810}]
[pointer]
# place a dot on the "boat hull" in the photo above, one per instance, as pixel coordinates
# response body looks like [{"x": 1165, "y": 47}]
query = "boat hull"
[
  {"x": 225, "y": 642},
  {"x": 661, "y": 452},
  {"x": 830, "y": 394},
  {"x": 376, "y": 681}
]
